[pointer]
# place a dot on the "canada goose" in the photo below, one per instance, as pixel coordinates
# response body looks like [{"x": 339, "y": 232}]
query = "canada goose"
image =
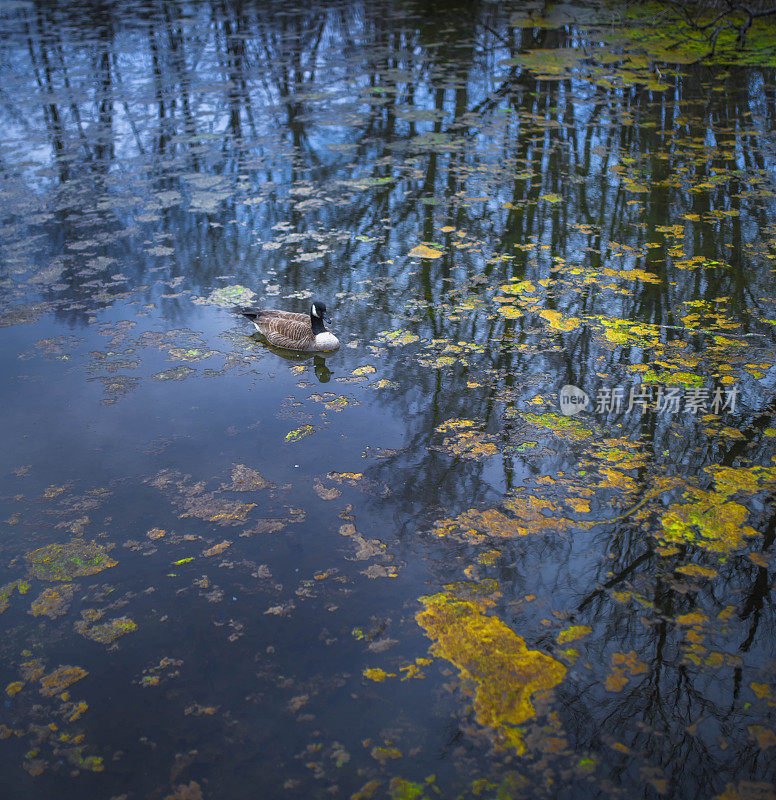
[{"x": 294, "y": 331}]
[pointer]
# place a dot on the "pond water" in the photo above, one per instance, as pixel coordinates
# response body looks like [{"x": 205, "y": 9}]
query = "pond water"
[{"x": 402, "y": 570}]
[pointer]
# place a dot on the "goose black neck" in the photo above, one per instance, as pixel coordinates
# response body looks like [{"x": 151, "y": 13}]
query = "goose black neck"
[{"x": 317, "y": 324}]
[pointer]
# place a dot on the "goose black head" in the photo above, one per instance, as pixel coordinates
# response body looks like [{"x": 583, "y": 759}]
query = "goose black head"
[{"x": 318, "y": 309}]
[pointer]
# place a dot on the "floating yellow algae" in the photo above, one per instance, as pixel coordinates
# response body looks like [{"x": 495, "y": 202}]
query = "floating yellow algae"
[
  {"x": 463, "y": 439},
  {"x": 565, "y": 427},
  {"x": 31, "y": 670},
  {"x": 424, "y": 251},
  {"x": 401, "y": 789},
  {"x": 63, "y": 562},
  {"x": 54, "y": 601},
  {"x": 709, "y": 520},
  {"x": 748, "y": 790},
  {"x": 624, "y": 665},
  {"x": 504, "y": 673},
  {"x": 345, "y": 477},
  {"x": 641, "y": 275},
  {"x": 623, "y": 331},
  {"x": 573, "y": 633},
  {"x": 186, "y": 791},
  {"x": 108, "y": 632},
  {"x": 762, "y": 690},
  {"x": 519, "y": 288},
  {"x": 14, "y": 688},
  {"x": 731, "y": 480},
  {"x": 217, "y": 549},
  {"x": 267, "y": 525},
  {"x": 62, "y": 677},
  {"x": 765, "y": 737},
  {"x": 523, "y": 515},
  {"x": 245, "y": 479},
  {"x": 360, "y": 372},
  {"x": 331, "y": 493},
  {"x": 366, "y": 791},
  {"x": 398, "y": 338},
  {"x": 383, "y": 754},
  {"x": 558, "y": 321},
  {"x": 692, "y": 618},
  {"x": 378, "y": 675},
  {"x": 697, "y": 571},
  {"x": 299, "y": 433}
]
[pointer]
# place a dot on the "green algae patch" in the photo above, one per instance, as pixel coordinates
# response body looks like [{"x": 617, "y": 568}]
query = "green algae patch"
[
  {"x": 228, "y": 296},
  {"x": 670, "y": 33},
  {"x": 697, "y": 34},
  {"x": 6, "y": 591},
  {"x": 63, "y": 562},
  {"x": 178, "y": 373},
  {"x": 493, "y": 660},
  {"x": 189, "y": 353}
]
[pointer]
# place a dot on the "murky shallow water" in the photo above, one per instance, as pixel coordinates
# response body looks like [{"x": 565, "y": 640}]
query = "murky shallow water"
[{"x": 290, "y": 536}]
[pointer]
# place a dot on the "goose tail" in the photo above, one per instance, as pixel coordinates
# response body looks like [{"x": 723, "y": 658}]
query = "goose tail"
[{"x": 248, "y": 311}]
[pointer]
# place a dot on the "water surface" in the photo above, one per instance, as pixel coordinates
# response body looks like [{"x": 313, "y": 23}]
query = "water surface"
[{"x": 400, "y": 570}]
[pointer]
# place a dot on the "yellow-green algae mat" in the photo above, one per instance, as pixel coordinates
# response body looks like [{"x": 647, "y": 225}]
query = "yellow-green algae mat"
[{"x": 503, "y": 673}]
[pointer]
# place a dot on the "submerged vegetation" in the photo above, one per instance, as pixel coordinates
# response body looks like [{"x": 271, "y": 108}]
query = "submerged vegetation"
[{"x": 528, "y": 551}]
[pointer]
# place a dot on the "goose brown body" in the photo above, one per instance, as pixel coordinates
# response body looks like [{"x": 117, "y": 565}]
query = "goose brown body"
[{"x": 286, "y": 329}]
